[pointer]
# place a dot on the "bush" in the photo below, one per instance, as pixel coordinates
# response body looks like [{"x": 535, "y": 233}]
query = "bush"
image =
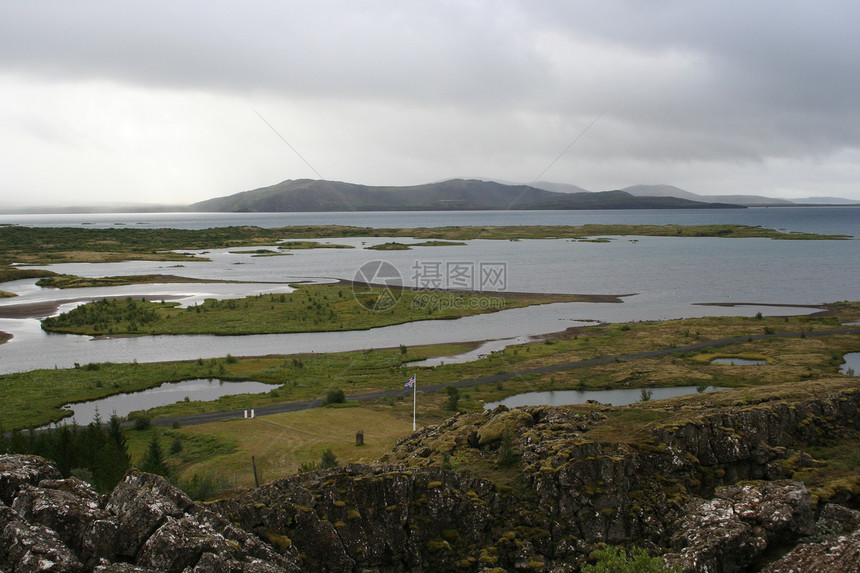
[
  {"x": 507, "y": 454},
  {"x": 335, "y": 397},
  {"x": 308, "y": 467},
  {"x": 613, "y": 559},
  {"x": 328, "y": 460},
  {"x": 453, "y": 398},
  {"x": 203, "y": 487}
]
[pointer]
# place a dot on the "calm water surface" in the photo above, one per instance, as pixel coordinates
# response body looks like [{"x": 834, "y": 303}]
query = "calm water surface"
[
  {"x": 852, "y": 363},
  {"x": 823, "y": 219},
  {"x": 668, "y": 277},
  {"x": 619, "y": 397},
  {"x": 200, "y": 389},
  {"x": 738, "y": 362}
]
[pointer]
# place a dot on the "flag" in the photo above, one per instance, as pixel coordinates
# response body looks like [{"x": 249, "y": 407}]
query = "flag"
[{"x": 410, "y": 383}]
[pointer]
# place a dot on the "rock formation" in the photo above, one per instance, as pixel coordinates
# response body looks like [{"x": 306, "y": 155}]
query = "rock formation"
[{"x": 710, "y": 491}]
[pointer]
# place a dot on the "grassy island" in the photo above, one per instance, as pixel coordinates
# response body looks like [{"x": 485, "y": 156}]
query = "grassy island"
[
  {"x": 311, "y": 245},
  {"x": 44, "y": 245},
  {"x": 73, "y": 281},
  {"x": 311, "y": 308}
]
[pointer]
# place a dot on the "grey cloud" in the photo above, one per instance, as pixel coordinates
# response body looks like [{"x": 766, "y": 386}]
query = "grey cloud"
[{"x": 483, "y": 84}]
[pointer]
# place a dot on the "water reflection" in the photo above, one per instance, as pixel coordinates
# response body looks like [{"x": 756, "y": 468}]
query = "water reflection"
[
  {"x": 852, "y": 364},
  {"x": 200, "y": 389},
  {"x": 482, "y": 351},
  {"x": 619, "y": 397},
  {"x": 738, "y": 361}
]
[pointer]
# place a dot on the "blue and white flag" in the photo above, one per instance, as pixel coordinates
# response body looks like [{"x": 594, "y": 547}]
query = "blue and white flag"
[{"x": 410, "y": 383}]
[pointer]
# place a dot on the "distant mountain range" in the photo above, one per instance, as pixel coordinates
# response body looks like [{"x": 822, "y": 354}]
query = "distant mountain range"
[
  {"x": 671, "y": 191},
  {"x": 456, "y": 194},
  {"x": 311, "y": 195}
]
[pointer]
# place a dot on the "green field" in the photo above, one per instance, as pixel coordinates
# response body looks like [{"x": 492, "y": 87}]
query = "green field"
[{"x": 310, "y": 308}]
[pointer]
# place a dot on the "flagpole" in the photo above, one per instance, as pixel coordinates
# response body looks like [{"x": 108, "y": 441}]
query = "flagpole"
[{"x": 414, "y": 400}]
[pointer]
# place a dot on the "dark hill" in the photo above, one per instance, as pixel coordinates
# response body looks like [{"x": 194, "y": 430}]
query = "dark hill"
[{"x": 307, "y": 195}]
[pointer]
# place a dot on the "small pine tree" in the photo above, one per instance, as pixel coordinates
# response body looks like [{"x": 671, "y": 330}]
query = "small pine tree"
[
  {"x": 446, "y": 461},
  {"x": 507, "y": 454},
  {"x": 153, "y": 460},
  {"x": 328, "y": 460},
  {"x": 453, "y": 398}
]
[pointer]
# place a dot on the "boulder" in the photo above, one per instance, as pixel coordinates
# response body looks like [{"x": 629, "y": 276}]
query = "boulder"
[
  {"x": 144, "y": 525},
  {"x": 32, "y": 547},
  {"x": 732, "y": 531},
  {"x": 17, "y": 471},
  {"x": 69, "y": 507},
  {"x": 837, "y": 553},
  {"x": 140, "y": 504}
]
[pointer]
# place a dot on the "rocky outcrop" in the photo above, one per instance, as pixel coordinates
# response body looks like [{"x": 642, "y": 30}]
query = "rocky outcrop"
[
  {"x": 840, "y": 553},
  {"x": 359, "y": 517},
  {"x": 734, "y": 529},
  {"x": 145, "y": 524},
  {"x": 580, "y": 478},
  {"x": 587, "y": 490},
  {"x": 835, "y": 545}
]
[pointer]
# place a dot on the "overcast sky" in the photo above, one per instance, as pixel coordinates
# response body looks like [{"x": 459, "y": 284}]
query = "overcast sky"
[{"x": 168, "y": 102}]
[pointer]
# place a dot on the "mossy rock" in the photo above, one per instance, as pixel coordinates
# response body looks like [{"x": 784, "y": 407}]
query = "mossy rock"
[
  {"x": 511, "y": 420},
  {"x": 279, "y": 540}
]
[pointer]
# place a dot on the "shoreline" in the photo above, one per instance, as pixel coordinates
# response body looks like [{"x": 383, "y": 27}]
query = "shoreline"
[{"x": 48, "y": 308}]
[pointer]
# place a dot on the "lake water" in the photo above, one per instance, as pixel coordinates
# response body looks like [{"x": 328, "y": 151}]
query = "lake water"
[
  {"x": 482, "y": 350},
  {"x": 852, "y": 363},
  {"x": 822, "y": 219},
  {"x": 619, "y": 397},
  {"x": 738, "y": 362},
  {"x": 668, "y": 275},
  {"x": 200, "y": 389}
]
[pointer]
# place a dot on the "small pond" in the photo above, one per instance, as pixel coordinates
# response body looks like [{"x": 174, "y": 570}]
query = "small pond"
[
  {"x": 201, "y": 389},
  {"x": 738, "y": 361},
  {"x": 852, "y": 363},
  {"x": 619, "y": 397}
]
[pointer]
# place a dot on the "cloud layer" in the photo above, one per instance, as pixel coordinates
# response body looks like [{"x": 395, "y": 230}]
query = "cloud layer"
[{"x": 158, "y": 102}]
